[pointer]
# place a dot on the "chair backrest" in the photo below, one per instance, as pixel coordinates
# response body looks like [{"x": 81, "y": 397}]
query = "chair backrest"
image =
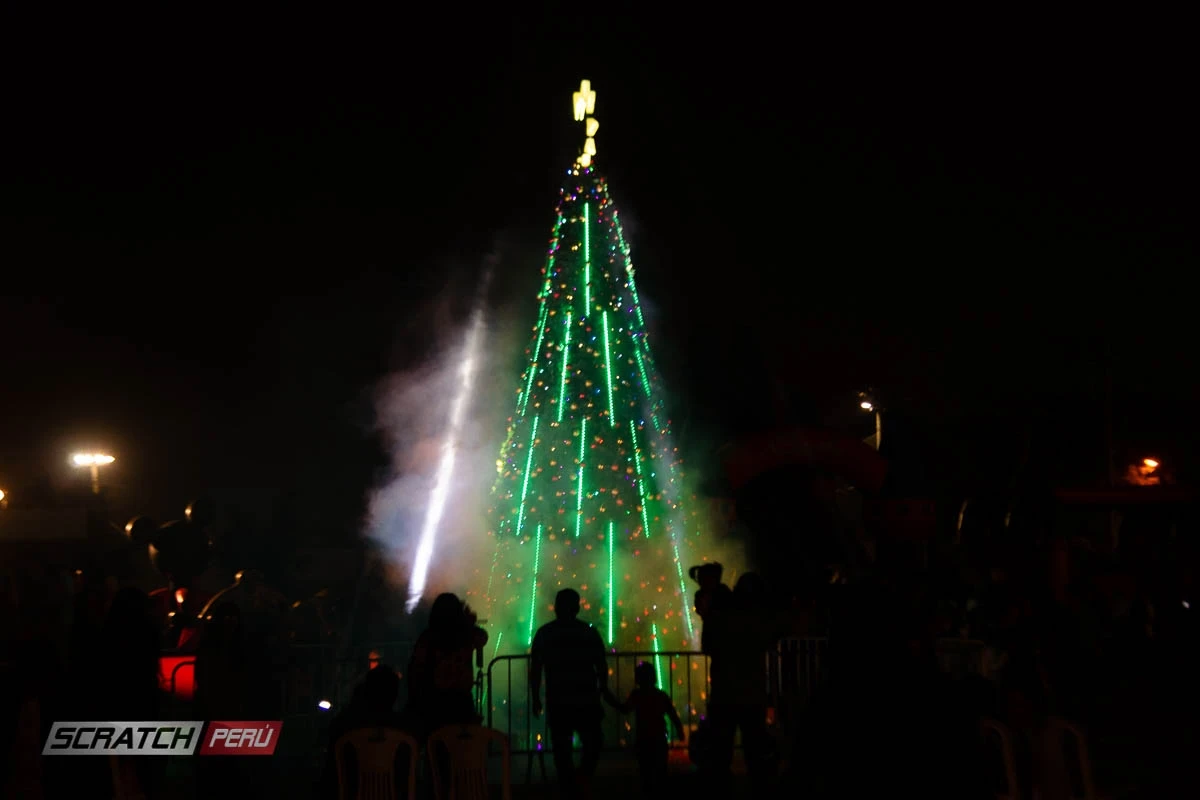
[
  {"x": 375, "y": 751},
  {"x": 466, "y": 776},
  {"x": 126, "y": 785},
  {"x": 995, "y": 728},
  {"x": 1058, "y": 732}
]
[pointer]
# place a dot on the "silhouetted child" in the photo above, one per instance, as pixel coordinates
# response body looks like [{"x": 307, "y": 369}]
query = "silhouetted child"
[
  {"x": 650, "y": 706},
  {"x": 712, "y": 596}
]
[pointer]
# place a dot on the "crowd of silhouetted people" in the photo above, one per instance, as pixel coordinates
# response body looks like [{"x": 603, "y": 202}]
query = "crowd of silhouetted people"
[{"x": 1109, "y": 659}]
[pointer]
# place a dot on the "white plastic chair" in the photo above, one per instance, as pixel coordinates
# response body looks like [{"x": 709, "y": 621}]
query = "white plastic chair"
[
  {"x": 1012, "y": 788},
  {"x": 1058, "y": 732},
  {"x": 375, "y": 751},
  {"x": 126, "y": 785},
  {"x": 467, "y": 747}
]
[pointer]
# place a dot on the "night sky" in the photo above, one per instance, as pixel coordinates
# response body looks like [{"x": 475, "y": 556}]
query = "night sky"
[{"x": 218, "y": 235}]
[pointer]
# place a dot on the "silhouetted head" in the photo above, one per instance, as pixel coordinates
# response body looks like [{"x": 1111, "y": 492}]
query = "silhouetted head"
[
  {"x": 141, "y": 530},
  {"x": 202, "y": 511},
  {"x": 129, "y": 630},
  {"x": 130, "y": 608},
  {"x": 227, "y": 614},
  {"x": 250, "y": 579},
  {"x": 446, "y": 612},
  {"x": 224, "y": 625},
  {"x": 751, "y": 586},
  {"x": 707, "y": 575},
  {"x": 380, "y": 688},
  {"x": 180, "y": 551},
  {"x": 645, "y": 675},
  {"x": 566, "y": 604}
]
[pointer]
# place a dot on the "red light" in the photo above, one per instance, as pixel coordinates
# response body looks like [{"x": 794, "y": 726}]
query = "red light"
[{"x": 184, "y": 670}]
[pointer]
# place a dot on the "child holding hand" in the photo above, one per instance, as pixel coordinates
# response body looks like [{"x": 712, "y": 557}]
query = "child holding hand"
[{"x": 650, "y": 706}]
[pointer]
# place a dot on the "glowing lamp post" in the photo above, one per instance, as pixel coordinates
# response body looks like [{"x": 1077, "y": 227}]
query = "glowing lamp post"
[
  {"x": 94, "y": 461},
  {"x": 1145, "y": 473},
  {"x": 2, "y": 496}
]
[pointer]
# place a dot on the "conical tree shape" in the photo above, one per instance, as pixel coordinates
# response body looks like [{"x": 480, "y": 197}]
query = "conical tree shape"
[{"x": 589, "y": 493}]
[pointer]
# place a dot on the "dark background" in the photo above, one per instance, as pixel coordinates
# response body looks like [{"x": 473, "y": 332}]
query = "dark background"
[{"x": 219, "y": 234}]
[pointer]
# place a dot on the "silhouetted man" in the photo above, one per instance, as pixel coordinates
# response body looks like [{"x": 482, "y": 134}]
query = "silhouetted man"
[
  {"x": 741, "y": 632},
  {"x": 572, "y": 654}
]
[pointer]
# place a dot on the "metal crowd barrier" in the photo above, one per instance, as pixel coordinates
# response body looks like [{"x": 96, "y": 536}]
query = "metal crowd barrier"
[
  {"x": 320, "y": 673},
  {"x": 508, "y": 705},
  {"x": 792, "y": 674}
]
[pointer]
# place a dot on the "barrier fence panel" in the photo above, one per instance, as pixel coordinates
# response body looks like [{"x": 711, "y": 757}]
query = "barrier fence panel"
[
  {"x": 508, "y": 703},
  {"x": 317, "y": 674},
  {"x": 793, "y": 673},
  {"x": 683, "y": 675},
  {"x": 320, "y": 673},
  {"x": 797, "y": 667}
]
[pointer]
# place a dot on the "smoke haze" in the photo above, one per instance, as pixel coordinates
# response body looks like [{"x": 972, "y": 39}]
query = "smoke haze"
[{"x": 413, "y": 415}]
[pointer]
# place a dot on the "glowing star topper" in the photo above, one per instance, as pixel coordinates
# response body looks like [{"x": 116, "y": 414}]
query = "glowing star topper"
[{"x": 583, "y": 103}]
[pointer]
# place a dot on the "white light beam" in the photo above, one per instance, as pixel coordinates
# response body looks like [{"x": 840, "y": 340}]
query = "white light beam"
[{"x": 441, "y": 485}]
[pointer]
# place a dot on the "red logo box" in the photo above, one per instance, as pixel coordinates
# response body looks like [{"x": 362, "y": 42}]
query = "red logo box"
[{"x": 241, "y": 738}]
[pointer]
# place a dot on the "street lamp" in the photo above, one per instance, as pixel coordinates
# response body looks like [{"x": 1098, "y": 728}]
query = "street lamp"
[
  {"x": 95, "y": 461},
  {"x": 1144, "y": 473},
  {"x": 2, "y": 496}
]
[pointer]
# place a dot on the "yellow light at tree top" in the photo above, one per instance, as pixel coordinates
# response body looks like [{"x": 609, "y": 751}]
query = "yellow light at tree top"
[{"x": 583, "y": 103}]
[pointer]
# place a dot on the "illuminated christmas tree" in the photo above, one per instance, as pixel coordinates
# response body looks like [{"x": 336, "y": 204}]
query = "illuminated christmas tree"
[{"x": 589, "y": 493}]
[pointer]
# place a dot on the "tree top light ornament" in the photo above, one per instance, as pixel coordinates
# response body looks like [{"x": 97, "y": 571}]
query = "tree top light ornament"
[
  {"x": 584, "y": 104},
  {"x": 590, "y": 490}
]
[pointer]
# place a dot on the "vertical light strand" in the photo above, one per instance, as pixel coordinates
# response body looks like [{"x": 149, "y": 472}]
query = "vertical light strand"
[
  {"x": 579, "y": 491},
  {"x": 537, "y": 351},
  {"x": 612, "y": 582},
  {"x": 537, "y": 563},
  {"x": 637, "y": 351},
  {"x": 608, "y": 376},
  {"x": 587, "y": 260},
  {"x": 637, "y": 303},
  {"x": 562, "y": 389},
  {"x": 685, "y": 602},
  {"x": 528, "y": 469},
  {"x": 637, "y": 462},
  {"x": 657, "y": 658}
]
